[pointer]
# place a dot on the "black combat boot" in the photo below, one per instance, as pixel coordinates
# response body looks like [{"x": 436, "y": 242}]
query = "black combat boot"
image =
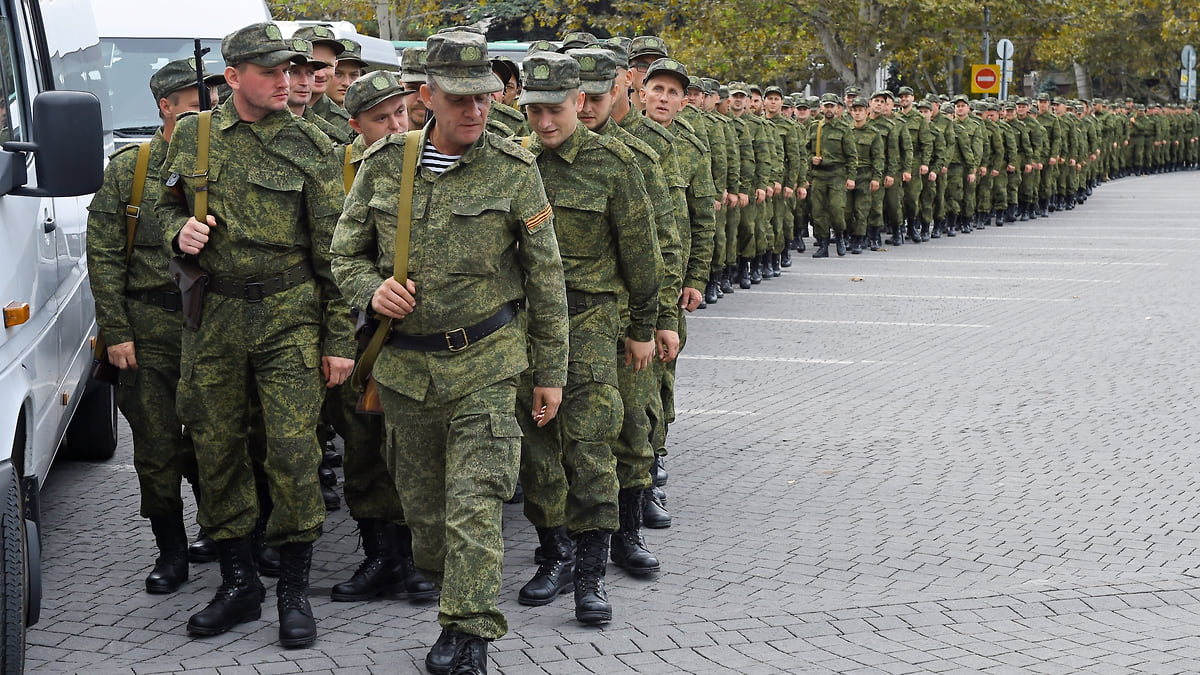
[
  {"x": 238, "y": 598},
  {"x": 756, "y": 270},
  {"x": 840, "y": 241},
  {"x": 822, "y": 249},
  {"x": 776, "y": 264},
  {"x": 938, "y": 227},
  {"x": 710, "y": 292},
  {"x": 629, "y": 550},
  {"x": 727, "y": 279},
  {"x": 411, "y": 584},
  {"x": 999, "y": 216},
  {"x": 912, "y": 232},
  {"x": 872, "y": 236},
  {"x": 591, "y": 558},
  {"x": 441, "y": 654},
  {"x": 764, "y": 266},
  {"x": 266, "y": 559},
  {"x": 744, "y": 273},
  {"x": 376, "y": 575},
  {"x": 555, "y": 557},
  {"x": 925, "y": 228},
  {"x": 1023, "y": 213},
  {"x": 171, "y": 568},
  {"x": 658, "y": 471},
  {"x": 800, "y": 242},
  {"x": 785, "y": 258},
  {"x": 203, "y": 549},
  {"x": 897, "y": 235},
  {"x": 470, "y": 656},
  {"x": 654, "y": 514},
  {"x": 329, "y": 481},
  {"x": 297, "y": 627}
]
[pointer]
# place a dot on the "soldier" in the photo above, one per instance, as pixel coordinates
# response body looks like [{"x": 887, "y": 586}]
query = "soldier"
[
  {"x": 326, "y": 49},
  {"x": 137, "y": 311},
  {"x": 412, "y": 74},
  {"x": 612, "y": 269},
  {"x": 897, "y": 148},
  {"x": 504, "y": 119},
  {"x": 788, "y": 141},
  {"x": 867, "y": 174},
  {"x": 1031, "y": 179},
  {"x": 301, "y": 77},
  {"x": 643, "y": 50},
  {"x": 377, "y": 103},
  {"x": 834, "y": 155},
  {"x": 962, "y": 159},
  {"x": 482, "y": 240},
  {"x": 272, "y": 201},
  {"x": 933, "y": 191},
  {"x": 724, "y": 262},
  {"x": 713, "y": 137},
  {"x": 349, "y": 68},
  {"x": 921, "y": 137},
  {"x": 755, "y": 177}
]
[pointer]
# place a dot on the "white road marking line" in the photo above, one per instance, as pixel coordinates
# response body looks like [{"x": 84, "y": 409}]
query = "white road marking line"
[
  {"x": 885, "y": 275},
  {"x": 704, "y": 411},
  {"x": 913, "y": 297},
  {"x": 787, "y": 359},
  {"x": 954, "y": 261},
  {"x": 847, "y": 323}
]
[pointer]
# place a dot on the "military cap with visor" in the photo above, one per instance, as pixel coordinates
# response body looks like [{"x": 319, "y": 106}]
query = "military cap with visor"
[
  {"x": 802, "y": 102},
  {"x": 711, "y": 86},
  {"x": 723, "y": 92},
  {"x": 960, "y": 98},
  {"x": 830, "y": 99},
  {"x": 851, "y": 92},
  {"x": 858, "y": 102},
  {"x": 320, "y": 35},
  {"x": 907, "y": 90},
  {"x": 884, "y": 93},
  {"x": 618, "y": 46},
  {"x": 541, "y": 46},
  {"x": 178, "y": 75},
  {"x": 597, "y": 69},
  {"x": 259, "y": 43},
  {"x": 788, "y": 102},
  {"x": 670, "y": 68},
  {"x": 353, "y": 53},
  {"x": 412, "y": 65},
  {"x": 738, "y": 89},
  {"x": 456, "y": 62},
  {"x": 755, "y": 89},
  {"x": 306, "y": 48},
  {"x": 550, "y": 78},
  {"x": 506, "y": 69},
  {"x": 577, "y": 40},
  {"x": 925, "y": 103},
  {"x": 648, "y": 45},
  {"x": 695, "y": 83},
  {"x": 372, "y": 89},
  {"x": 773, "y": 90}
]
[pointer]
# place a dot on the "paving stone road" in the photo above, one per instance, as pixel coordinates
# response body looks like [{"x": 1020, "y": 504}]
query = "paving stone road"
[{"x": 975, "y": 455}]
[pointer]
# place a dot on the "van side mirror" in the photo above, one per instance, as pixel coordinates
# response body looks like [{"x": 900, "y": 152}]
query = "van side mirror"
[{"x": 68, "y": 140}]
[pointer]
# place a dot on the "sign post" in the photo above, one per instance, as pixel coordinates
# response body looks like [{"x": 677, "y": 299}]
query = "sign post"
[
  {"x": 1187, "y": 75},
  {"x": 1004, "y": 49}
]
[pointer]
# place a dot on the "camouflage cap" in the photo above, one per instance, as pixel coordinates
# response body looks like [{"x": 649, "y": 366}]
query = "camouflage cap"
[
  {"x": 577, "y": 40},
  {"x": 1043, "y": 96},
  {"x": 801, "y": 102},
  {"x": 788, "y": 102},
  {"x": 925, "y": 103},
  {"x": 261, "y": 44},
  {"x": 176, "y": 76},
  {"x": 320, "y": 35},
  {"x": 991, "y": 106},
  {"x": 306, "y": 48},
  {"x": 830, "y": 99},
  {"x": 541, "y": 46},
  {"x": 773, "y": 90},
  {"x": 457, "y": 63},
  {"x": 906, "y": 90},
  {"x": 851, "y": 92},
  {"x": 723, "y": 92},
  {"x": 549, "y": 78},
  {"x": 353, "y": 53},
  {"x": 372, "y": 89},
  {"x": 943, "y": 98},
  {"x": 619, "y": 48},
  {"x": 670, "y": 68},
  {"x": 1010, "y": 105},
  {"x": 695, "y": 83},
  {"x": 648, "y": 45},
  {"x": 710, "y": 85},
  {"x": 814, "y": 101},
  {"x": 1058, "y": 100},
  {"x": 858, "y": 102},
  {"x": 960, "y": 98},
  {"x": 738, "y": 89},
  {"x": 755, "y": 89},
  {"x": 884, "y": 93},
  {"x": 597, "y": 69},
  {"x": 412, "y": 65},
  {"x": 1129, "y": 99}
]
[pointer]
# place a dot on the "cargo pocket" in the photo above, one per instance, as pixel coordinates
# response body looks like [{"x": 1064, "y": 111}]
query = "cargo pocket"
[{"x": 476, "y": 235}]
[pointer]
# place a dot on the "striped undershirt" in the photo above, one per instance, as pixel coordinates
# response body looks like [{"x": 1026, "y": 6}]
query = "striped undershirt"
[{"x": 435, "y": 161}]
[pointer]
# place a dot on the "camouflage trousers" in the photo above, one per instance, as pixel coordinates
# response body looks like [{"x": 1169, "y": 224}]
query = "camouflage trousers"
[
  {"x": 661, "y": 410},
  {"x": 575, "y": 450},
  {"x": 369, "y": 489},
  {"x": 733, "y": 219},
  {"x": 454, "y": 463},
  {"x": 162, "y": 452},
  {"x": 858, "y": 206},
  {"x": 929, "y": 198},
  {"x": 893, "y": 211},
  {"x": 913, "y": 191},
  {"x": 718, "y": 257},
  {"x": 241, "y": 347},
  {"x": 633, "y": 450},
  {"x": 828, "y": 208},
  {"x": 747, "y": 229}
]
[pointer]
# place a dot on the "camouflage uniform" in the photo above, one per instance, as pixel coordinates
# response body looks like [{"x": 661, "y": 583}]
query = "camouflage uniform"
[
  {"x": 482, "y": 238},
  {"x": 831, "y": 140}
]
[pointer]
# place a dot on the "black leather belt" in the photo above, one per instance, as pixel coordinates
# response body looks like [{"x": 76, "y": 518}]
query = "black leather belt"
[
  {"x": 255, "y": 291},
  {"x": 458, "y": 339},
  {"x": 170, "y": 301},
  {"x": 578, "y": 303}
]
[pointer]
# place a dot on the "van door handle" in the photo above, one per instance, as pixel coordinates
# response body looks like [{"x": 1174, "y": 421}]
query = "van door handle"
[{"x": 48, "y": 225}]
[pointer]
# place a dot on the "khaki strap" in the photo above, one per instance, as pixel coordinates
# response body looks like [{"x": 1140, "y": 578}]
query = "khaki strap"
[
  {"x": 133, "y": 210},
  {"x": 201, "y": 176},
  {"x": 412, "y": 155},
  {"x": 820, "y": 126},
  {"x": 348, "y": 171}
]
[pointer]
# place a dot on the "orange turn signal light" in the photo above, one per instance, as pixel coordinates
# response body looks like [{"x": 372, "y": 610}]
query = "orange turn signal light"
[{"x": 15, "y": 314}]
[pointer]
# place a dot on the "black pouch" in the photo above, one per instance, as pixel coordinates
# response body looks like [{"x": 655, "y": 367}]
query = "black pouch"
[{"x": 192, "y": 282}]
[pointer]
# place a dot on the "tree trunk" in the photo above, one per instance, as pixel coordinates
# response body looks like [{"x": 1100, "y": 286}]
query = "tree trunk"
[{"x": 1083, "y": 82}]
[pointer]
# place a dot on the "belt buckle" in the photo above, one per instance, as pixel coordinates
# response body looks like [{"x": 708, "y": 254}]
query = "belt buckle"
[
  {"x": 257, "y": 295},
  {"x": 172, "y": 302},
  {"x": 450, "y": 341}
]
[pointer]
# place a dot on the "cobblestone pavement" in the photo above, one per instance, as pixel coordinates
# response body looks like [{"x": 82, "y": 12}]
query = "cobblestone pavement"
[{"x": 973, "y": 455}]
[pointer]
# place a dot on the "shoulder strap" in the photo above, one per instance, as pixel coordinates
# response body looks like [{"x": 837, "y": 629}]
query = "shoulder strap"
[
  {"x": 348, "y": 170},
  {"x": 201, "y": 175},
  {"x": 133, "y": 210},
  {"x": 412, "y": 156}
]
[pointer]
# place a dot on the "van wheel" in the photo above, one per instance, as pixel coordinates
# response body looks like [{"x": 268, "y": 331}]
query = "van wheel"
[
  {"x": 13, "y": 580},
  {"x": 92, "y": 434}
]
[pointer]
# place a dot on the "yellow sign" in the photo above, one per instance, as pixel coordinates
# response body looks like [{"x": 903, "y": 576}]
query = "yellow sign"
[{"x": 985, "y": 79}]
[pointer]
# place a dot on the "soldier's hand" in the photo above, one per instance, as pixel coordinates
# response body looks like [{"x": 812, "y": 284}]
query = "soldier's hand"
[
  {"x": 971, "y": 178},
  {"x": 770, "y": 191},
  {"x": 122, "y": 356},
  {"x": 850, "y": 185},
  {"x": 995, "y": 172},
  {"x": 924, "y": 169},
  {"x": 717, "y": 204},
  {"x": 760, "y": 196},
  {"x": 888, "y": 181},
  {"x": 545, "y": 404},
  {"x": 638, "y": 354},
  {"x": 906, "y": 176},
  {"x": 1028, "y": 168},
  {"x": 778, "y": 188},
  {"x": 816, "y": 160},
  {"x": 933, "y": 176},
  {"x": 393, "y": 300},
  {"x": 668, "y": 345},
  {"x": 336, "y": 369},
  {"x": 743, "y": 199},
  {"x": 874, "y": 186},
  {"x": 194, "y": 235},
  {"x": 690, "y": 298},
  {"x": 802, "y": 193},
  {"x": 788, "y": 193}
]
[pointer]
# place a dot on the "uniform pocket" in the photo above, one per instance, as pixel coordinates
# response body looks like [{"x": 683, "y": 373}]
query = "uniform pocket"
[
  {"x": 476, "y": 234},
  {"x": 581, "y": 227}
]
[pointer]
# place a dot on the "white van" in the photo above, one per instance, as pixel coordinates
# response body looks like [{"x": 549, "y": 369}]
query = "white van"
[
  {"x": 380, "y": 54},
  {"x": 137, "y": 37},
  {"x": 55, "y": 132}
]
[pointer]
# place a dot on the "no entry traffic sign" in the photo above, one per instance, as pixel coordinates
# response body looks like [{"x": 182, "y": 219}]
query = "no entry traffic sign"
[{"x": 985, "y": 79}]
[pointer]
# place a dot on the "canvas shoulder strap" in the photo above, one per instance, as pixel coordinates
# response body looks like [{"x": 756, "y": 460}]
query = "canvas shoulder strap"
[
  {"x": 201, "y": 175},
  {"x": 348, "y": 170},
  {"x": 133, "y": 210}
]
